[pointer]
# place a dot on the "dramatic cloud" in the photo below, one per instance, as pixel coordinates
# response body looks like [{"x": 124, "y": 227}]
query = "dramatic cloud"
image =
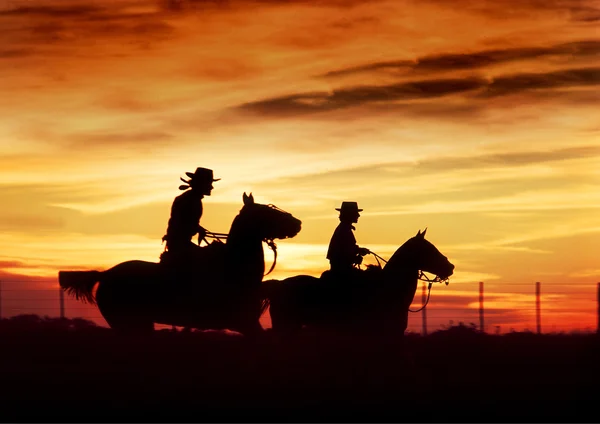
[
  {"x": 460, "y": 61},
  {"x": 297, "y": 104},
  {"x": 54, "y": 30},
  {"x": 569, "y": 78},
  {"x": 53, "y": 11},
  {"x": 503, "y": 9}
]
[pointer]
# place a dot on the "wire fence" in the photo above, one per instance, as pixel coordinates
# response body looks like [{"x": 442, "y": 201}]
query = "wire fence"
[{"x": 533, "y": 306}]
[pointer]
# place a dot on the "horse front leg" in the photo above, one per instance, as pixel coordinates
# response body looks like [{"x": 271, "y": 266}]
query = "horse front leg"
[
  {"x": 403, "y": 322},
  {"x": 246, "y": 319}
]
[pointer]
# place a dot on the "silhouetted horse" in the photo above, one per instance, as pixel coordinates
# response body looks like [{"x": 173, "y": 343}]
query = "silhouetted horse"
[
  {"x": 221, "y": 294},
  {"x": 379, "y": 303}
]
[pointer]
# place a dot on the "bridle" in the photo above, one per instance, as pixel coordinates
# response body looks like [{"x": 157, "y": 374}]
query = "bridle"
[
  {"x": 430, "y": 282},
  {"x": 421, "y": 276},
  {"x": 271, "y": 241}
]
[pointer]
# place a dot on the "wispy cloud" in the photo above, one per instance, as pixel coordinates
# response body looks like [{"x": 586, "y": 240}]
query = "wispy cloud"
[
  {"x": 71, "y": 23},
  {"x": 305, "y": 103},
  {"x": 449, "y": 62}
]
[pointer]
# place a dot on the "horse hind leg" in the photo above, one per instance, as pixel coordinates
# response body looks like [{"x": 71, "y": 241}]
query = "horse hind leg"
[
  {"x": 120, "y": 317},
  {"x": 124, "y": 324}
]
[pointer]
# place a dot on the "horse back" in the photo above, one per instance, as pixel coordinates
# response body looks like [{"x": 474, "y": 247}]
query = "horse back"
[{"x": 135, "y": 268}]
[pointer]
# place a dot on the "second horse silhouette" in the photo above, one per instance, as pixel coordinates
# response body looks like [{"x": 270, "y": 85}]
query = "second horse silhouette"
[
  {"x": 378, "y": 302},
  {"x": 134, "y": 295}
]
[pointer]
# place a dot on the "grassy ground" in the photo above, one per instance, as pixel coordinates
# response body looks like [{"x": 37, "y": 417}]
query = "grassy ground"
[{"x": 53, "y": 370}]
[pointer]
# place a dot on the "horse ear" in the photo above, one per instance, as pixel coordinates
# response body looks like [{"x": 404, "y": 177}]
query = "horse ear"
[
  {"x": 423, "y": 233},
  {"x": 245, "y": 198},
  {"x": 418, "y": 233},
  {"x": 251, "y": 198}
]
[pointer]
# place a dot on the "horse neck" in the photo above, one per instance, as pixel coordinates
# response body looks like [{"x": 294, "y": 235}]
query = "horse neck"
[
  {"x": 401, "y": 272},
  {"x": 245, "y": 256},
  {"x": 402, "y": 263}
]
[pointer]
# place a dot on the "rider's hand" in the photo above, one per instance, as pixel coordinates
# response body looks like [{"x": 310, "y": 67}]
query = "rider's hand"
[
  {"x": 201, "y": 233},
  {"x": 362, "y": 251}
]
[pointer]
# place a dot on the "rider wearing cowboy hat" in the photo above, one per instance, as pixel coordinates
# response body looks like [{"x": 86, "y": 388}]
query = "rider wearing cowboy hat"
[
  {"x": 343, "y": 252},
  {"x": 186, "y": 212}
]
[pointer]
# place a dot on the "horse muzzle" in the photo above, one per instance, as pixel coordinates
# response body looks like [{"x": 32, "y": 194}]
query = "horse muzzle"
[
  {"x": 447, "y": 272},
  {"x": 296, "y": 227}
]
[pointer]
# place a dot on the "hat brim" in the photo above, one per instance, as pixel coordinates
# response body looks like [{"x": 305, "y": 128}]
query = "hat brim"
[
  {"x": 192, "y": 175},
  {"x": 357, "y": 210}
]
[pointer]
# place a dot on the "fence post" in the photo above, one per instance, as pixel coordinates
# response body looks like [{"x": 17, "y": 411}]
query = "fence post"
[
  {"x": 62, "y": 302},
  {"x": 0, "y": 299},
  {"x": 481, "y": 322},
  {"x": 424, "y": 311},
  {"x": 538, "y": 314}
]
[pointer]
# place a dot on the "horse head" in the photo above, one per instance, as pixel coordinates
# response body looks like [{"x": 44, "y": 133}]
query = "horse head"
[
  {"x": 268, "y": 221},
  {"x": 428, "y": 258}
]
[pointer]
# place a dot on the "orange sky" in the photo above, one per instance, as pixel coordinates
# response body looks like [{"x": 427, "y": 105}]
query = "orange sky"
[{"x": 476, "y": 119}]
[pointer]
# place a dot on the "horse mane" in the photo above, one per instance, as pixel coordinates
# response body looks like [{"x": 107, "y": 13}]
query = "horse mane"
[
  {"x": 399, "y": 257},
  {"x": 236, "y": 222}
]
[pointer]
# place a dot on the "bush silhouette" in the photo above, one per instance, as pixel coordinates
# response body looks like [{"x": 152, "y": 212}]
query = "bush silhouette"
[{"x": 71, "y": 370}]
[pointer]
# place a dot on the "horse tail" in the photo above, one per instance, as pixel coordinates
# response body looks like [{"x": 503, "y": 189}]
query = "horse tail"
[{"x": 79, "y": 284}]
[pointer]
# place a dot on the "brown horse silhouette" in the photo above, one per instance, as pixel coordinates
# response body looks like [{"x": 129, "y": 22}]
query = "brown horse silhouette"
[{"x": 221, "y": 294}]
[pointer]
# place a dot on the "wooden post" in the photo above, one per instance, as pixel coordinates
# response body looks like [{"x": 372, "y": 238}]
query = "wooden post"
[
  {"x": 538, "y": 315},
  {"x": 598, "y": 311},
  {"x": 62, "y": 302},
  {"x": 0, "y": 299},
  {"x": 424, "y": 311},
  {"x": 481, "y": 323}
]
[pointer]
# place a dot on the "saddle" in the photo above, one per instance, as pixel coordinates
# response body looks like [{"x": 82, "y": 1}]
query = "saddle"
[
  {"x": 190, "y": 265},
  {"x": 349, "y": 287},
  {"x": 354, "y": 276}
]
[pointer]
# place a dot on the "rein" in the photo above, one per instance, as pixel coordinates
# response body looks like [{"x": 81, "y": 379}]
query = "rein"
[
  {"x": 377, "y": 257},
  {"x": 271, "y": 242},
  {"x": 273, "y": 246},
  {"x": 421, "y": 277},
  {"x": 216, "y": 236}
]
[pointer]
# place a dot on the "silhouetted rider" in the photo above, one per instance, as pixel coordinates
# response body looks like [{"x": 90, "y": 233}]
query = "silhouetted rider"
[
  {"x": 186, "y": 212},
  {"x": 343, "y": 252}
]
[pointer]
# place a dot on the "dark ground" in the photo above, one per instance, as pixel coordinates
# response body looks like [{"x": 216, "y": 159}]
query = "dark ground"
[{"x": 72, "y": 371}]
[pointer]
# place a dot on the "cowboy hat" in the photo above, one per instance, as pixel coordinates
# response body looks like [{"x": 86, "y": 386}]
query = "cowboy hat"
[
  {"x": 200, "y": 176},
  {"x": 349, "y": 207}
]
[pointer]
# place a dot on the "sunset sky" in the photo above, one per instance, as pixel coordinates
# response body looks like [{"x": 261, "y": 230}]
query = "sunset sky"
[{"x": 479, "y": 120}]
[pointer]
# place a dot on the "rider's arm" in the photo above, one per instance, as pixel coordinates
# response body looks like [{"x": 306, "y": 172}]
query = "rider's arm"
[{"x": 362, "y": 251}]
